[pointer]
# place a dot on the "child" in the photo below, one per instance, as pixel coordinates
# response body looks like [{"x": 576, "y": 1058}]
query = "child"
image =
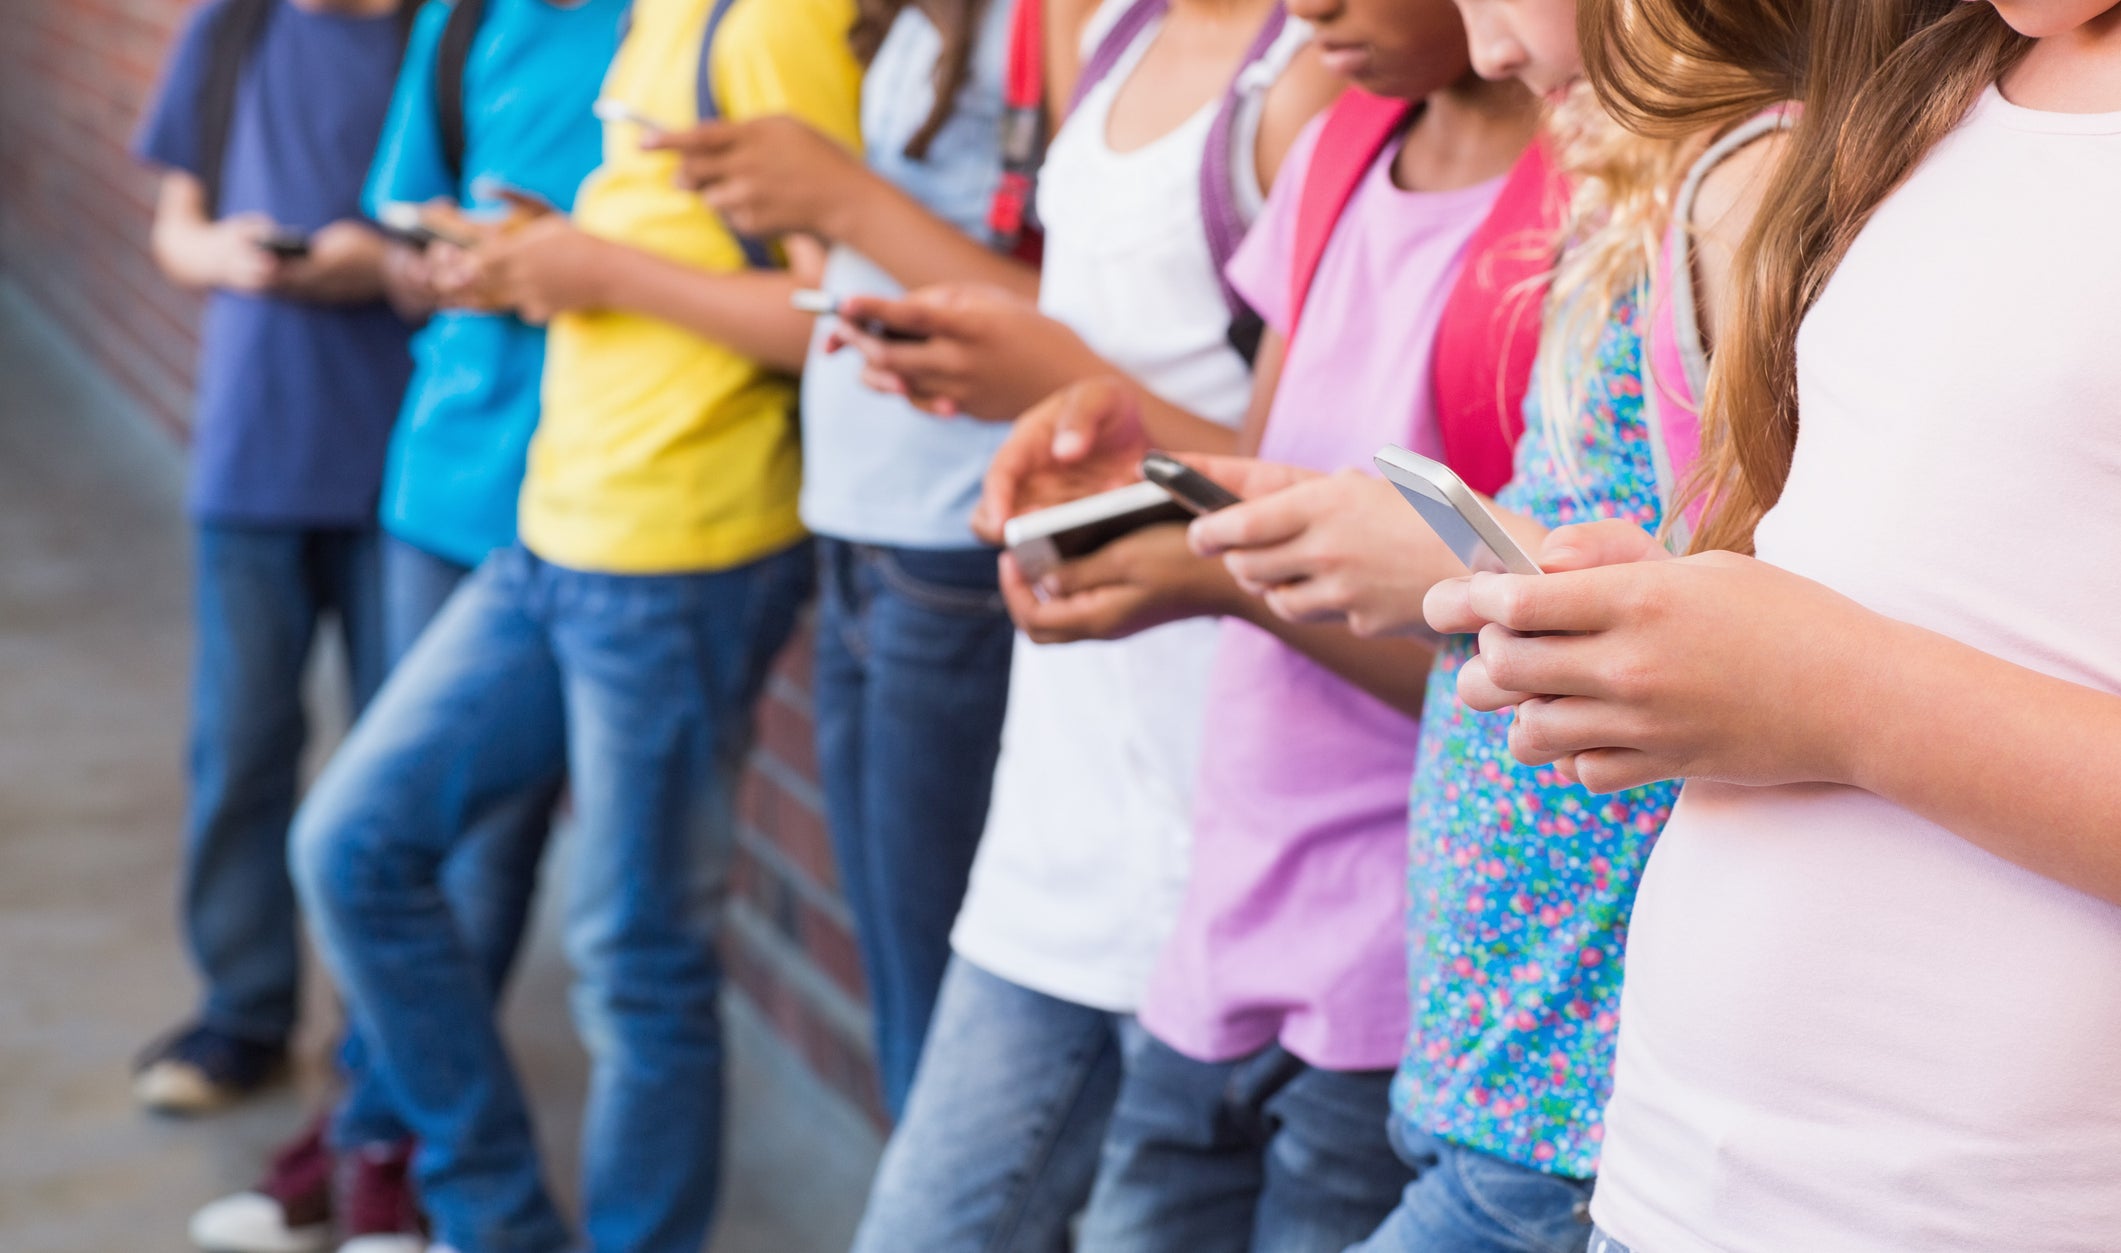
[
  {"x": 523, "y": 80},
  {"x": 912, "y": 640},
  {"x": 1083, "y": 857},
  {"x": 266, "y": 118},
  {"x": 1252, "y": 1112},
  {"x": 660, "y": 568},
  {"x": 1875, "y": 971}
]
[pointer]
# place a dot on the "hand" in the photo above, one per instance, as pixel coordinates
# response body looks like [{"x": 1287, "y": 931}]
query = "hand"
[
  {"x": 344, "y": 266},
  {"x": 1714, "y": 666},
  {"x": 982, "y": 351},
  {"x": 1331, "y": 548},
  {"x": 1134, "y": 583},
  {"x": 770, "y": 176},
  {"x": 225, "y": 254},
  {"x": 544, "y": 267},
  {"x": 408, "y": 283},
  {"x": 1084, "y": 439}
]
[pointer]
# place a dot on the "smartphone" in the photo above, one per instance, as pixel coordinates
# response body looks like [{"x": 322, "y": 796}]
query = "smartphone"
[
  {"x": 609, "y": 110},
  {"x": 1188, "y": 486},
  {"x": 1450, "y": 507},
  {"x": 403, "y": 221},
  {"x": 285, "y": 242},
  {"x": 827, "y": 305},
  {"x": 1040, "y": 541}
]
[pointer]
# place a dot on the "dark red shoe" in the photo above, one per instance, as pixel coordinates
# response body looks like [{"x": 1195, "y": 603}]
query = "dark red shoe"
[
  {"x": 289, "y": 1211},
  {"x": 379, "y": 1210}
]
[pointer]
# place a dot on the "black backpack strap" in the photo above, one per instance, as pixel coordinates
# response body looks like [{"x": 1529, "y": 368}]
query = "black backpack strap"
[
  {"x": 756, "y": 254},
  {"x": 236, "y": 31},
  {"x": 452, "y": 54}
]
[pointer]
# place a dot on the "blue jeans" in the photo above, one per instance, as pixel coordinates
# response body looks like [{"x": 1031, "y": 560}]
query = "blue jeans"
[
  {"x": 999, "y": 1143},
  {"x": 1603, "y": 1243},
  {"x": 261, "y": 593},
  {"x": 1264, "y": 1154},
  {"x": 1462, "y": 1201},
  {"x": 641, "y": 687},
  {"x": 912, "y": 678},
  {"x": 489, "y": 882}
]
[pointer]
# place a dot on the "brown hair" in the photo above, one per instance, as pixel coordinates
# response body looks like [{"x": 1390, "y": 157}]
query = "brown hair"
[
  {"x": 1881, "y": 83},
  {"x": 959, "y": 23}
]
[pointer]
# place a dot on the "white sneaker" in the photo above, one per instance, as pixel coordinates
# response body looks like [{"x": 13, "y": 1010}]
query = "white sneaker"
[
  {"x": 388, "y": 1244},
  {"x": 251, "y": 1222}
]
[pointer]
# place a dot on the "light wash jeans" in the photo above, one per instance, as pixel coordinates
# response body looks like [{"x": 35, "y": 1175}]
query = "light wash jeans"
[
  {"x": 641, "y": 687},
  {"x": 1462, "y": 1201},
  {"x": 999, "y": 1144}
]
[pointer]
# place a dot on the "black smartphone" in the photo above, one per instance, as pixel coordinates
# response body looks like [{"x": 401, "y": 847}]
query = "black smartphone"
[
  {"x": 285, "y": 242},
  {"x": 825, "y": 304},
  {"x": 403, "y": 222},
  {"x": 1188, "y": 486}
]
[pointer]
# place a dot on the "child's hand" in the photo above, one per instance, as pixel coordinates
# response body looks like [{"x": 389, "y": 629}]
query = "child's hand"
[
  {"x": 1338, "y": 548},
  {"x": 1137, "y": 582},
  {"x": 981, "y": 351},
  {"x": 540, "y": 269},
  {"x": 1713, "y": 666},
  {"x": 227, "y": 255},
  {"x": 769, "y": 176},
  {"x": 344, "y": 266},
  {"x": 1084, "y": 439},
  {"x": 408, "y": 283}
]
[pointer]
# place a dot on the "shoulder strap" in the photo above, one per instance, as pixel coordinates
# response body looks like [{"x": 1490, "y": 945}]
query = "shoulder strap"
[
  {"x": 1009, "y": 214},
  {"x": 1355, "y": 131},
  {"x": 1488, "y": 335},
  {"x": 756, "y": 254},
  {"x": 1221, "y": 217},
  {"x": 1118, "y": 37},
  {"x": 452, "y": 54},
  {"x": 236, "y": 31}
]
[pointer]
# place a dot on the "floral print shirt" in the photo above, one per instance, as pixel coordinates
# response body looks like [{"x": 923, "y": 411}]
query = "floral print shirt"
[{"x": 1521, "y": 882}]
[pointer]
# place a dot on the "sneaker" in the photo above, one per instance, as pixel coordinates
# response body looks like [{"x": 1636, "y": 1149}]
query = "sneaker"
[
  {"x": 378, "y": 1209},
  {"x": 197, "y": 1069},
  {"x": 288, "y": 1212}
]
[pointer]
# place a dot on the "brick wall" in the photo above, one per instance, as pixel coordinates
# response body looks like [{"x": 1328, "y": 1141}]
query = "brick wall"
[{"x": 74, "y": 213}]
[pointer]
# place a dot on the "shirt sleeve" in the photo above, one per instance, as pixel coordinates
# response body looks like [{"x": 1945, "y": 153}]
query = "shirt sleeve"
[
  {"x": 169, "y": 133},
  {"x": 794, "y": 60},
  {"x": 408, "y": 163},
  {"x": 1260, "y": 270}
]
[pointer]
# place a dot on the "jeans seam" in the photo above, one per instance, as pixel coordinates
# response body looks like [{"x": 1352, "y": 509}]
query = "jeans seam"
[
  {"x": 934, "y": 597},
  {"x": 1531, "y": 1241},
  {"x": 1006, "y": 1225}
]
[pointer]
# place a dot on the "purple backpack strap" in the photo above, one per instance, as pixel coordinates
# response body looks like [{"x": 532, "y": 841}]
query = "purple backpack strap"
[
  {"x": 1118, "y": 38},
  {"x": 1221, "y": 217}
]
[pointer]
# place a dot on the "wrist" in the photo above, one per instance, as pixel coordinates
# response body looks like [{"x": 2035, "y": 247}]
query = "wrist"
[
  {"x": 1874, "y": 666},
  {"x": 849, "y": 202}
]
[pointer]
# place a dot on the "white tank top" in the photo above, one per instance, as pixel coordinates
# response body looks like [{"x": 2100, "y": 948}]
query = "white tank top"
[
  {"x": 1083, "y": 864},
  {"x": 1845, "y": 1028}
]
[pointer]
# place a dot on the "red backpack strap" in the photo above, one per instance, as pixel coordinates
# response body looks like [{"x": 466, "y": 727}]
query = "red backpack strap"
[
  {"x": 1355, "y": 131},
  {"x": 1488, "y": 336},
  {"x": 1023, "y": 134}
]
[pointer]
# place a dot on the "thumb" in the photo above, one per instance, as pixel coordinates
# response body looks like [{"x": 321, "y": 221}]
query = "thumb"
[
  {"x": 1611, "y": 542},
  {"x": 1090, "y": 414}
]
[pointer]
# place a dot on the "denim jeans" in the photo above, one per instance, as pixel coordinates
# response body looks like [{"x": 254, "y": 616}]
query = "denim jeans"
[
  {"x": 642, "y": 688},
  {"x": 261, "y": 593},
  {"x": 912, "y": 677},
  {"x": 1603, "y": 1243},
  {"x": 1265, "y": 1154},
  {"x": 1462, "y": 1201},
  {"x": 489, "y": 882},
  {"x": 999, "y": 1142}
]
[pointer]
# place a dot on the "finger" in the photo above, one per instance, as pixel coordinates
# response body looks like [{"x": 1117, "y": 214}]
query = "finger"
[
  {"x": 1106, "y": 567},
  {"x": 1551, "y": 665},
  {"x": 1311, "y": 600},
  {"x": 1293, "y": 562},
  {"x": 1089, "y": 415},
  {"x": 1086, "y": 615},
  {"x": 1248, "y": 476},
  {"x": 1476, "y": 690},
  {"x": 1550, "y": 728},
  {"x": 1022, "y": 602},
  {"x": 713, "y": 136},
  {"x": 907, "y": 317},
  {"x": 1606, "y": 543},
  {"x": 883, "y": 381},
  {"x": 1607, "y": 770},
  {"x": 1261, "y": 523},
  {"x": 1448, "y": 608},
  {"x": 1583, "y": 600},
  {"x": 523, "y": 202}
]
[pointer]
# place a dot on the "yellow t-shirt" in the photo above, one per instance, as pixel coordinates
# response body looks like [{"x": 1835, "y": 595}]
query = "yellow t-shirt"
[{"x": 657, "y": 451}]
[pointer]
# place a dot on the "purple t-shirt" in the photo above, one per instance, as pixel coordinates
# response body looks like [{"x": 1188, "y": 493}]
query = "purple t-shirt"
[
  {"x": 295, "y": 400},
  {"x": 1293, "y": 928}
]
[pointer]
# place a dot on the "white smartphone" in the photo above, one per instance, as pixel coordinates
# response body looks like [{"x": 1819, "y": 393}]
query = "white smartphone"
[
  {"x": 1450, "y": 507},
  {"x": 609, "y": 110},
  {"x": 404, "y": 220},
  {"x": 1043, "y": 539},
  {"x": 810, "y": 300}
]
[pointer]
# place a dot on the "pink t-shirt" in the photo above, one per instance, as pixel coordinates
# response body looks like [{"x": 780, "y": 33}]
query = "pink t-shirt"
[
  {"x": 1844, "y": 1028},
  {"x": 1293, "y": 927}
]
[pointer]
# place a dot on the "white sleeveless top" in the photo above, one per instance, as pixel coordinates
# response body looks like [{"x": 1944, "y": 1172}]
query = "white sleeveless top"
[
  {"x": 1083, "y": 864},
  {"x": 1845, "y": 1028}
]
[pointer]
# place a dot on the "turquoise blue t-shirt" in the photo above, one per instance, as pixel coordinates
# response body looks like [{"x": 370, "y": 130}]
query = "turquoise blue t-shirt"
[{"x": 455, "y": 464}]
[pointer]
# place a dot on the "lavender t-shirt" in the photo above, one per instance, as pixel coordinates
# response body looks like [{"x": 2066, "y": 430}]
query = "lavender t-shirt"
[{"x": 1293, "y": 928}]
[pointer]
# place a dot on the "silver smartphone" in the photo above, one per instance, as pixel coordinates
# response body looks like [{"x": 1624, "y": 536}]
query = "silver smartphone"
[
  {"x": 405, "y": 222},
  {"x": 1450, "y": 507},
  {"x": 1043, "y": 539},
  {"x": 609, "y": 110}
]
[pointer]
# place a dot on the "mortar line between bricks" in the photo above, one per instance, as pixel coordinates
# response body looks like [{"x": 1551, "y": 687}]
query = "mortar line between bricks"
[
  {"x": 793, "y": 967},
  {"x": 790, "y": 693},
  {"x": 814, "y": 894},
  {"x": 789, "y": 780}
]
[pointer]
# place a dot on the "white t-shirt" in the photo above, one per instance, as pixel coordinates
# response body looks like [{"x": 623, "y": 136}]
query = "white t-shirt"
[
  {"x": 1845, "y": 1028},
  {"x": 1083, "y": 864}
]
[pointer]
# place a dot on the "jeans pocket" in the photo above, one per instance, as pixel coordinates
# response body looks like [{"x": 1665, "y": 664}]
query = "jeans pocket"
[
  {"x": 962, "y": 582},
  {"x": 1539, "y": 1213}
]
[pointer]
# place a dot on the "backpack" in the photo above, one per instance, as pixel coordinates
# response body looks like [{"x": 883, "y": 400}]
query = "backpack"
[
  {"x": 452, "y": 54},
  {"x": 236, "y": 30},
  {"x": 1491, "y": 317}
]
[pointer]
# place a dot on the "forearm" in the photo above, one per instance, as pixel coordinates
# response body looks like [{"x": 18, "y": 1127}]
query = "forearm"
[
  {"x": 919, "y": 249},
  {"x": 178, "y": 251},
  {"x": 748, "y": 311},
  {"x": 1174, "y": 429},
  {"x": 1395, "y": 670},
  {"x": 2016, "y": 762}
]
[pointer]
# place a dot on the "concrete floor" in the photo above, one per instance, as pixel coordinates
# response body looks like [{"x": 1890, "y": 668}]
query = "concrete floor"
[{"x": 94, "y": 648}]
